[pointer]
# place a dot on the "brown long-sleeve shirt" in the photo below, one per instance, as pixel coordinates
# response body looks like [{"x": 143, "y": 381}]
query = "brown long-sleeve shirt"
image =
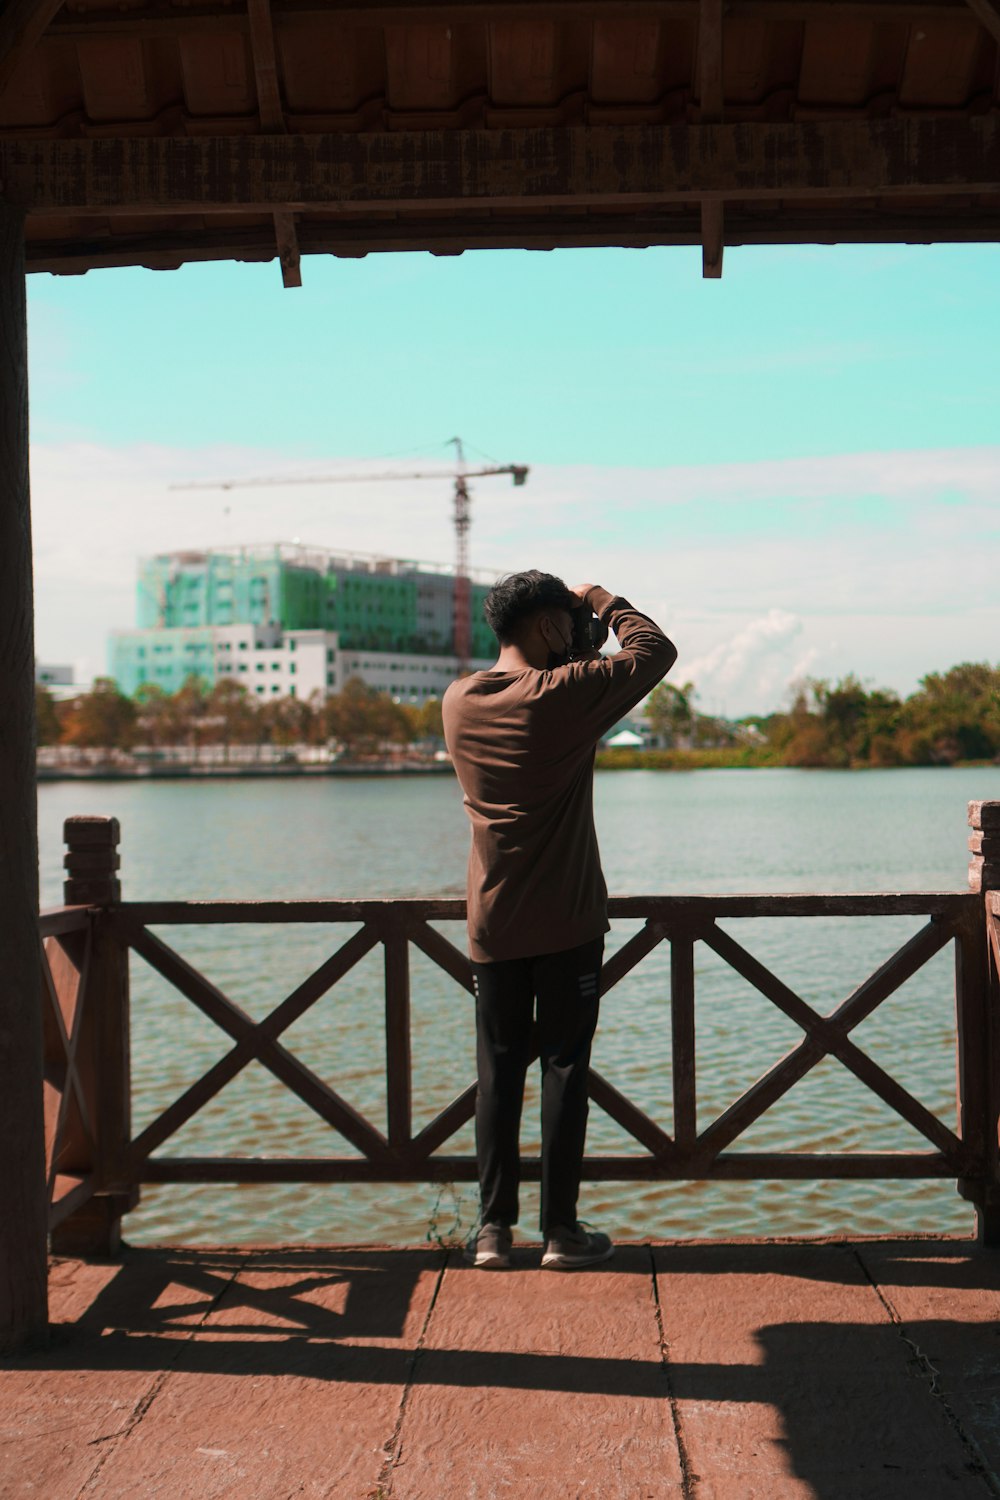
[{"x": 523, "y": 746}]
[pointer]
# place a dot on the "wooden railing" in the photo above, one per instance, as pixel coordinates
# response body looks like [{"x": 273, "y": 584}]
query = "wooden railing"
[{"x": 96, "y": 1165}]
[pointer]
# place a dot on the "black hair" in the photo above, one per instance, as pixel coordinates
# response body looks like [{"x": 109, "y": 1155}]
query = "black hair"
[{"x": 513, "y": 599}]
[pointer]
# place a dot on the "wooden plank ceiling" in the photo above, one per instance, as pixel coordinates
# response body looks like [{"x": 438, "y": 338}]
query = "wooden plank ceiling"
[{"x": 154, "y": 132}]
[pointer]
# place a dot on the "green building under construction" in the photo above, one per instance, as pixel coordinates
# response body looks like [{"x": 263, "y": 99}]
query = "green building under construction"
[
  {"x": 373, "y": 603},
  {"x": 387, "y": 620}
]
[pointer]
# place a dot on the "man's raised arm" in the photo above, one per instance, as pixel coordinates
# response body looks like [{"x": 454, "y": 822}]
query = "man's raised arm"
[{"x": 605, "y": 688}]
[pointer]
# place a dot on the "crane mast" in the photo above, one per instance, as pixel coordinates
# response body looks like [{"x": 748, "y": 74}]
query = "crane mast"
[
  {"x": 461, "y": 520},
  {"x": 462, "y": 597}
]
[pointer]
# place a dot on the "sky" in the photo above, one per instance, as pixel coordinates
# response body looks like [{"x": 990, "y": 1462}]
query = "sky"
[{"x": 796, "y": 470}]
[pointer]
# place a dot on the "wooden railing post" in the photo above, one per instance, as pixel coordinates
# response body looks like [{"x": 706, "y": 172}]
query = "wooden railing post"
[
  {"x": 397, "y": 1034},
  {"x": 683, "y": 1038},
  {"x": 984, "y": 842},
  {"x": 978, "y": 1016},
  {"x": 103, "y": 1050}
]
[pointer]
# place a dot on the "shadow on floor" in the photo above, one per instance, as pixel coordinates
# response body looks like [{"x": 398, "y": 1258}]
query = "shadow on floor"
[{"x": 835, "y": 1399}]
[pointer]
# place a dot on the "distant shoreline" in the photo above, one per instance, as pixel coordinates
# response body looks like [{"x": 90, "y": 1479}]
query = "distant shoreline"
[
  {"x": 208, "y": 772},
  {"x": 749, "y": 758},
  {"x": 673, "y": 760}
]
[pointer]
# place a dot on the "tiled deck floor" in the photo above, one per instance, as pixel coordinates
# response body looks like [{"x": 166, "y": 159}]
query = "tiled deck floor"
[{"x": 847, "y": 1371}]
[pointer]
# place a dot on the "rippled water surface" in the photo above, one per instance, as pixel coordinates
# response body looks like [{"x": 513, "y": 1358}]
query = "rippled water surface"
[{"x": 660, "y": 833}]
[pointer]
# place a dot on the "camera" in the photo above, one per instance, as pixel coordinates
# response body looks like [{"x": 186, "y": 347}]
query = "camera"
[{"x": 589, "y": 633}]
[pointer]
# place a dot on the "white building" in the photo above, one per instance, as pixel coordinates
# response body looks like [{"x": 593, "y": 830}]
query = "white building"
[
  {"x": 408, "y": 679},
  {"x": 274, "y": 663},
  {"x": 58, "y": 680}
]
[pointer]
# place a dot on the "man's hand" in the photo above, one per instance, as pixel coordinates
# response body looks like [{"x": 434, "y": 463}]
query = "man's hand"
[{"x": 581, "y": 590}]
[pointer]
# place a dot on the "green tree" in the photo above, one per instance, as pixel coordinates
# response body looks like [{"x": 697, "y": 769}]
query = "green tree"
[
  {"x": 798, "y": 735},
  {"x": 841, "y": 709},
  {"x": 429, "y": 722},
  {"x": 287, "y": 721},
  {"x": 191, "y": 716},
  {"x": 670, "y": 711},
  {"x": 156, "y": 711},
  {"x": 363, "y": 720},
  {"x": 880, "y": 744},
  {"x": 955, "y": 715},
  {"x": 103, "y": 719},
  {"x": 48, "y": 728},
  {"x": 229, "y": 709},
  {"x": 836, "y": 724}
]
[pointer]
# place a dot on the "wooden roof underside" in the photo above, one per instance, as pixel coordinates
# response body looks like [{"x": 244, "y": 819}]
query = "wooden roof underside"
[{"x": 154, "y": 132}]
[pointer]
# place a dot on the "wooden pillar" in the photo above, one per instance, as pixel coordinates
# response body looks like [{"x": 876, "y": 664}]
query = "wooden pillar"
[
  {"x": 979, "y": 1022},
  {"x": 103, "y": 1057},
  {"x": 23, "y": 1206},
  {"x": 984, "y": 843}
]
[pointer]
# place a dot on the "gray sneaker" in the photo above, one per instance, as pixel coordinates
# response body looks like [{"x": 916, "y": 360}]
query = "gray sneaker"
[
  {"x": 573, "y": 1245},
  {"x": 489, "y": 1248}
]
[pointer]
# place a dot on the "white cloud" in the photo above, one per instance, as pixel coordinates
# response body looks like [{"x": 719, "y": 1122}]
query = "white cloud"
[{"x": 749, "y": 665}]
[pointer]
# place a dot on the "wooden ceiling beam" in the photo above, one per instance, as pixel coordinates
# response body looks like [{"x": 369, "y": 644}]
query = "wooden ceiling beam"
[
  {"x": 265, "y": 67},
  {"x": 710, "y": 90},
  {"x": 379, "y": 12},
  {"x": 713, "y": 216},
  {"x": 711, "y": 98},
  {"x": 563, "y": 167},
  {"x": 164, "y": 18},
  {"x": 988, "y": 12},
  {"x": 166, "y": 249},
  {"x": 22, "y": 24},
  {"x": 272, "y": 122},
  {"x": 289, "y": 255}
]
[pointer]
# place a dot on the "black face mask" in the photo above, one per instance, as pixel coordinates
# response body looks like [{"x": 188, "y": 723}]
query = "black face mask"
[{"x": 560, "y": 658}]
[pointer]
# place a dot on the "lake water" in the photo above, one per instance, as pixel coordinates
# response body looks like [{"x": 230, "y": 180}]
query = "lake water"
[{"x": 704, "y": 831}]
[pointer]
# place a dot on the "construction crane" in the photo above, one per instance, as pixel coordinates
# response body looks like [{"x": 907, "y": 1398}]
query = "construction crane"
[{"x": 461, "y": 519}]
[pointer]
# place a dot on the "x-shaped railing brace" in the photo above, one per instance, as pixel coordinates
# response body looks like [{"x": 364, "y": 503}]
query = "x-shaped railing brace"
[
  {"x": 67, "y": 1039},
  {"x": 829, "y": 1035},
  {"x": 255, "y": 1041}
]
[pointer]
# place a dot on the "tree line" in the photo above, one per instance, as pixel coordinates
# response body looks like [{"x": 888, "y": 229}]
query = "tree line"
[
  {"x": 360, "y": 719},
  {"x": 952, "y": 716}
]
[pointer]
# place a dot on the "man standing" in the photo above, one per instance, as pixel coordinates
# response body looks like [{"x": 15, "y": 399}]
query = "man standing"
[{"x": 523, "y": 738}]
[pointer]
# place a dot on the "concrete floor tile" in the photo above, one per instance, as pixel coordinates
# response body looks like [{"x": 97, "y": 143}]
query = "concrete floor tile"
[
  {"x": 292, "y": 1385},
  {"x": 539, "y": 1383},
  {"x": 786, "y": 1362},
  {"x": 947, "y": 1300}
]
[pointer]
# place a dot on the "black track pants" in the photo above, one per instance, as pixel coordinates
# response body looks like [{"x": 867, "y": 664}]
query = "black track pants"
[{"x": 545, "y": 1006}]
